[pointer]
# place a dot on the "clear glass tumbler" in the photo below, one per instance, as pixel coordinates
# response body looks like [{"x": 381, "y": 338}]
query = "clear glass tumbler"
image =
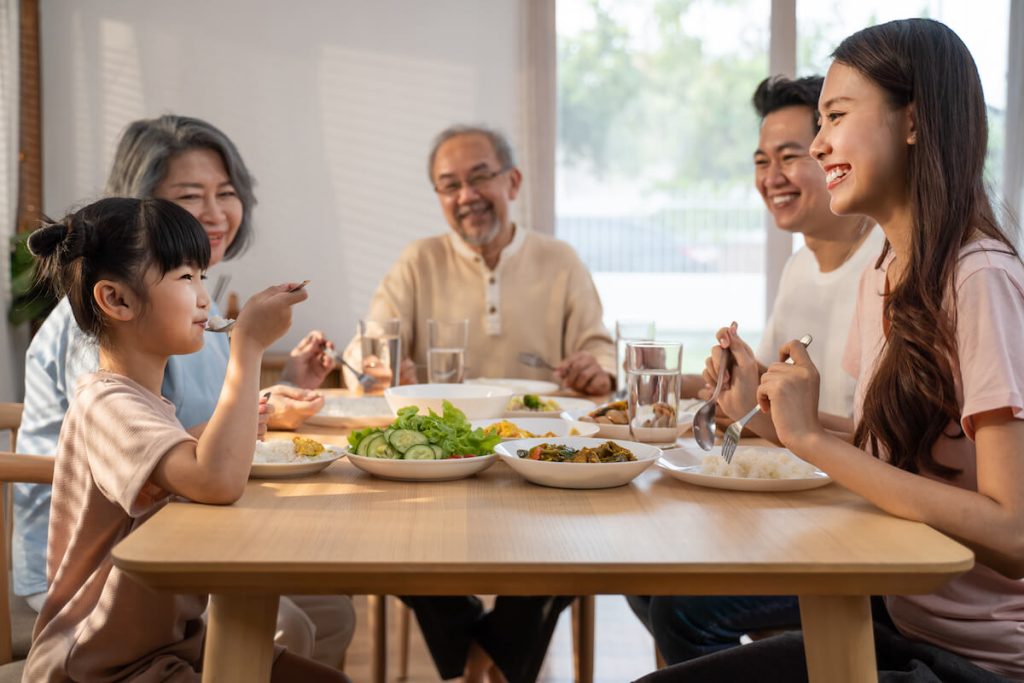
[
  {"x": 446, "y": 350},
  {"x": 654, "y": 373},
  {"x": 627, "y": 331},
  {"x": 380, "y": 342}
]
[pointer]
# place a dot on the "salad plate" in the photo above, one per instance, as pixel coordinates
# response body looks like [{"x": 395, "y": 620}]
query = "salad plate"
[
  {"x": 353, "y": 411},
  {"x": 422, "y": 470},
  {"x": 549, "y": 405}
]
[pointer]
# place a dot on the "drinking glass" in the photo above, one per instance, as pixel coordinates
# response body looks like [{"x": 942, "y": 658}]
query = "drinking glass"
[
  {"x": 627, "y": 331},
  {"x": 380, "y": 342},
  {"x": 653, "y": 375},
  {"x": 446, "y": 350}
]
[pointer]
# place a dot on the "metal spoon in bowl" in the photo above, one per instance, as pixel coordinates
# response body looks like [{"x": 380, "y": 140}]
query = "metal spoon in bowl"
[{"x": 704, "y": 419}]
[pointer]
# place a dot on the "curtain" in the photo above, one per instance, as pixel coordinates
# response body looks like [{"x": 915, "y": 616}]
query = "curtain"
[{"x": 10, "y": 340}]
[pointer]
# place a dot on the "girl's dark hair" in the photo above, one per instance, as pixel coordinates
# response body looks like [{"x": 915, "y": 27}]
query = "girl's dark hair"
[
  {"x": 911, "y": 400},
  {"x": 778, "y": 92},
  {"x": 147, "y": 148},
  {"x": 115, "y": 239}
]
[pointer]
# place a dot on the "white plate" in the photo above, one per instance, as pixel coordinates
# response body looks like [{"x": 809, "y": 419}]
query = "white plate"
[
  {"x": 684, "y": 423},
  {"x": 286, "y": 470},
  {"x": 566, "y": 403},
  {"x": 520, "y": 386},
  {"x": 353, "y": 411},
  {"x": 684, "y": 463},
  {"x": 422, "y": 470},
  {"x": 577, "y": 475},
  {"x": 543, "y": 425},
  {"x": 476, "y": 401}
]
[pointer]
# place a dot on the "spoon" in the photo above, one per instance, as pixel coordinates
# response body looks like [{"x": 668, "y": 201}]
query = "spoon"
[
  {"x": 224, "y": 325},
  {"x": 365, "y": 380},
  {"x": 704, "y": 419}
]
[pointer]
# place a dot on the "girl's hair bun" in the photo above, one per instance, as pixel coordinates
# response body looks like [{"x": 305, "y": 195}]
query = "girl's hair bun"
[{"x": 53, "y": 237}]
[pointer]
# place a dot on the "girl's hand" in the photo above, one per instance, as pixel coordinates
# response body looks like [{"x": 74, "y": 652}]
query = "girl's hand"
[
  {"x": 309, "y": 362},
  {"x": 290, "y": 406},
  {"x": 789, "y": 395},
  {"x": 739, "y": 387},
  {"x": 265, "y": 410},
  {"x": 267, "y": 315}
]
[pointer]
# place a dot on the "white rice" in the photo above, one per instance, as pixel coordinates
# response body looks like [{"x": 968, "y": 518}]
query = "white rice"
[
  {"x": 281, "y": 451},
  {"x": 757, "y": 462}
]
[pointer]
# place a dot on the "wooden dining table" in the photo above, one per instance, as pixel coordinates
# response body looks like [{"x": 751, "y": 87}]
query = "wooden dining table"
[{"x": 344, "y": 531}]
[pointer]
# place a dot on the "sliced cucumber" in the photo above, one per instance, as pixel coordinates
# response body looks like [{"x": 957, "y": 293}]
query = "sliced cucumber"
[
  {"x": 420, "y": 451},
  {"x": 438, "y": 451},
  {"x": 404, "y": 439},
  {"x": 365, "y": 443},
  {"x": 369, "y": 444}
]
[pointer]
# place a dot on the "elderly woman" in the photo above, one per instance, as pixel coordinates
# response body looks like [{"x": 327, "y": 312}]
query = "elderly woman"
[{"x": 195, "y": 165}]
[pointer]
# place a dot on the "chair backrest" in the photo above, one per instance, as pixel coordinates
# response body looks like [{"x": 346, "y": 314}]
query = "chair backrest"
[{"x": 14, "y": 467}]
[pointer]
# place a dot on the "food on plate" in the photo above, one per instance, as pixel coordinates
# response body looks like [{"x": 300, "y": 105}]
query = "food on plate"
[
  {"x": 282, "y": 451},
  {"x": 613, "y": 413},
  {"x": 757, "y": 463},
  {"x": 424, "y": 437},
  {"x": 510, "y": 430},
  {"x": 609, "y": 451},
  {"x": 533, "y": 402}
]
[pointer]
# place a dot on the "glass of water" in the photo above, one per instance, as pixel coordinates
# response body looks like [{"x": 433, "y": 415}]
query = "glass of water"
[
  {"x": 380, "y": 342},
  {"x": 627, "y": 331},
  {"x": 653, "y": 375},
  {"x": 446, "y": 350}
]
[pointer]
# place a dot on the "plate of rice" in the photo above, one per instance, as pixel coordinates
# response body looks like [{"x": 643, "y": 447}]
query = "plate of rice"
[
  {"x": 295, "y": 457},
  {"x": 753, "y": 468}
]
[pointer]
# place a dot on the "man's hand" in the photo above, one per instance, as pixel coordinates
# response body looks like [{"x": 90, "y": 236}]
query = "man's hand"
[
  {"x": 290, "y": 406},
  {"x": 581, "y": 372},
  {"x": 309, "y": 362}
]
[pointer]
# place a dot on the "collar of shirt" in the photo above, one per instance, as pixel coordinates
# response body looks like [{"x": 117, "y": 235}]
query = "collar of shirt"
[{"x": 490, "y": 280}]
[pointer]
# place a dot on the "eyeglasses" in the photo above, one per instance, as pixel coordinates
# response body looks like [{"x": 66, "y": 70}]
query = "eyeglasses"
[{"x": 477, "y": 181}]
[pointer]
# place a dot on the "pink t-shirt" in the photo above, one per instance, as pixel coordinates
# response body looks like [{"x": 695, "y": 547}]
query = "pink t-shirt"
[
  {"x": 97, "y": 624},
  {"x": 979, "y": 615}
]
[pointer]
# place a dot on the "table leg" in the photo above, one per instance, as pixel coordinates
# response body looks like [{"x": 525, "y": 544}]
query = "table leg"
[
  {"x": 240, "y": 638},
  {"x": 839, "y": 642},
  {"x": 377, "y": 610},
  {"x": 583, "y": 609}
]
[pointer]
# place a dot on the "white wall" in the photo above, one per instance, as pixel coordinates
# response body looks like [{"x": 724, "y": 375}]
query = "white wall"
[{"x": 332, "y": 104}]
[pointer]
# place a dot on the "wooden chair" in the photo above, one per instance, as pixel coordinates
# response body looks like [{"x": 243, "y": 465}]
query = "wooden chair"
[
  {"x": 16, "y": 625},
  {"x": 582, "y": 641}
]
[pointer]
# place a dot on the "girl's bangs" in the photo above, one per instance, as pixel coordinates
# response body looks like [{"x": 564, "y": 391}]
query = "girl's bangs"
[{"x": 176, "y": 238}]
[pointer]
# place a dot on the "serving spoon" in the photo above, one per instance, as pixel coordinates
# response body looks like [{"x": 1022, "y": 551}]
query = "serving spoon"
[{"x": 704, "y": 419}]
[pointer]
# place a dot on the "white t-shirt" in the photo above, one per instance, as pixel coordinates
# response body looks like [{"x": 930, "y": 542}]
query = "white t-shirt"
[{"x": 822, "y": 304}]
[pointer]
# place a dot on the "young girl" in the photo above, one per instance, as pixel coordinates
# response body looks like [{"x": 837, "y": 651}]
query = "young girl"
[
  {"x": 938, "y": 430},
  {"x": 132, "y": 272}
]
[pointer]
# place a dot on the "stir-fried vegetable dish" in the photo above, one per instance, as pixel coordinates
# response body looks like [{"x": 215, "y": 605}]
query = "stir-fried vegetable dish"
[{"x": 609, "y": 451}]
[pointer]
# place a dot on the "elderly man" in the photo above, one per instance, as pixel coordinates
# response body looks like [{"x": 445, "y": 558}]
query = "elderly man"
[{"x": 520, "y": 290}]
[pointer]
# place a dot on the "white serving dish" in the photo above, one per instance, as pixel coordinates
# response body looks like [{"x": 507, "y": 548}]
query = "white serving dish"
[
  {"x": 477, "y": 401},
  {"x": 568, "y": 404},
  {"x": 660, "y": 436},
  {"x": 520, "y": 386},
  {"x": 573, "y": 475},
  {"x": 543, "y": 425},
  {"x": 684, "y": 463},
  {"x": 422, "y": 470},
  {"x": 353, "y": 411},
  {"x": 300, "y": 468}
]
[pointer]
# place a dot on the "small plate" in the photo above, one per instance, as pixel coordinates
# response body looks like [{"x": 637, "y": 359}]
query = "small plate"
[
  {"x": 684, "y": 423},
  {"x": 683, "y": 463},
  {"x": 422, "y": 470},
  {"x": 566, "y": 403},
  {"x": 543, "y": 425},
  {"x": 353, "y": 411},
  {"x": 577, "y": 475},
  {"x": 287, "y": 470},
  {"x": 520, "y": 386}
]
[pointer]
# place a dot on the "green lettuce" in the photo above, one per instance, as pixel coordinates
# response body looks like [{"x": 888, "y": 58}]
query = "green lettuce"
[{"x": 450, "y": 430}]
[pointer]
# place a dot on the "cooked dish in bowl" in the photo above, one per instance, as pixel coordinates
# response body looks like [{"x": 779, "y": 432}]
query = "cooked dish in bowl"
[
  {"x": 533, "y": 402},
  {"x": 510, "y": 430},
  {"x": 609, "y": 451}
]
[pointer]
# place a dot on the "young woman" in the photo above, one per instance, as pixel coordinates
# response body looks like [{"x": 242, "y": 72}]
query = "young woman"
[
  {"x": 132, "y": 272},
  {"x": 938, "y": 429},
  {"x": 195, "y": 165}
]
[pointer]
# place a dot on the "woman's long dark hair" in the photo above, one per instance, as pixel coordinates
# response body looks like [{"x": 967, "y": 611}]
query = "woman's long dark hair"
[{"x": 911, "y": 400}]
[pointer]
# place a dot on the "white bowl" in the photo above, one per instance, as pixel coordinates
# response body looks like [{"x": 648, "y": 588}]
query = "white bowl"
[
  {"x": 422, "y": 470},
  {"x": 477, "y": 401},
  {"x": 577, "y": 475},
  {"x": 543, "y": 425}
]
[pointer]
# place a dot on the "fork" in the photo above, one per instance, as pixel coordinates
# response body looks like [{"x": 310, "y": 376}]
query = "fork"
[
  {"x": 534, "y": 361},
  {"x": 732, "y": 434},
  {"x": 365, "y": 380}
]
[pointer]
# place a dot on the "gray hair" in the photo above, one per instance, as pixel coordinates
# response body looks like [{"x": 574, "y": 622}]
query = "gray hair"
[
  {"x": 499, "y": 142},
  {"x": 146, "y": 150}
]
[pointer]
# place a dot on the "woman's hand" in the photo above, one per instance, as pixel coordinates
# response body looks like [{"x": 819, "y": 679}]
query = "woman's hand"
[
  {"x": 789, "y": 395},
  {"x": 309, "y": 362},
  {"x": 290, "y": 406},
  {"x": 739, "y": 387}
]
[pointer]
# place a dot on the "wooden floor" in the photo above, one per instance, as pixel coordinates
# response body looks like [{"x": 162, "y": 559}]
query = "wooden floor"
[{"x": 624, "y": 650}]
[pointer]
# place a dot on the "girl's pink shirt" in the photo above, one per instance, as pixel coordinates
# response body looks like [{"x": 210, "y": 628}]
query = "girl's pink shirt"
[
  {"x": 979, "y": 615},
  {"x": 96, "y": 623}
]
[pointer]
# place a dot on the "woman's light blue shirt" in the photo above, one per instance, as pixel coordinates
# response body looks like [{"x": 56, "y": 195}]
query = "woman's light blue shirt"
[{"x": 59, "y": 354}]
